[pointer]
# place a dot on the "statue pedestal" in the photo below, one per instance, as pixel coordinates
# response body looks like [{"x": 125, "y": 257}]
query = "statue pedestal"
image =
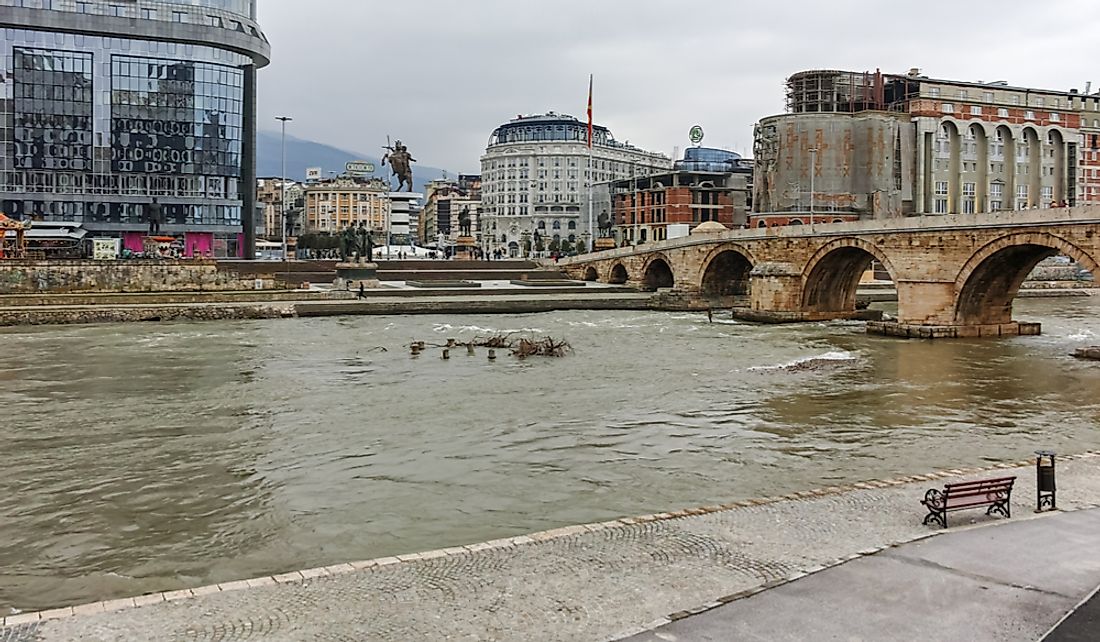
[
  {"x": 465, "y": 248},
  {"x": 605, "y": 244},
  {"x": 351, "y": 275}
]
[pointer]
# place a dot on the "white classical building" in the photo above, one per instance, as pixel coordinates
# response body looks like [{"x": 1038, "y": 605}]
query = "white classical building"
[{"x": 535, "y": 179}]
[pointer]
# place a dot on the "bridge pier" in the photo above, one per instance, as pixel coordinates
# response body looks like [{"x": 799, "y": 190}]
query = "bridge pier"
[{"x": 917, "y": 331}]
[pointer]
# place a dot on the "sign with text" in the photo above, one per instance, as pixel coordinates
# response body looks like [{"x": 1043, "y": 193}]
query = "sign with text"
[
  {"x": 313, "y": 173},
  {"x": 105, "y": 249},
  {"x": 359, "y": 167}
]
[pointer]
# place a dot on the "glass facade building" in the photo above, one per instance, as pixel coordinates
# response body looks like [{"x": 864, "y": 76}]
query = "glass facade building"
[{"x": 97, "y": 118}]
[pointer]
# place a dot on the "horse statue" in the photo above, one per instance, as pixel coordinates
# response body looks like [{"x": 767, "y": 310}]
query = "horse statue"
[
  {"x": 605, "y": 225},
  {"x": 464, "y": 222},
  {"x": 401, "y": 162}
]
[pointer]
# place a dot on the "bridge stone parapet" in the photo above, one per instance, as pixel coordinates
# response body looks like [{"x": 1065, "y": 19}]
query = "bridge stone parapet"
[{"x": 956, "y": 276}]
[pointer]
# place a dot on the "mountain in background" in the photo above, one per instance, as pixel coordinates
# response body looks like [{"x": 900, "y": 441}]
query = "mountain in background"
[{"x": 301, "y": 154}]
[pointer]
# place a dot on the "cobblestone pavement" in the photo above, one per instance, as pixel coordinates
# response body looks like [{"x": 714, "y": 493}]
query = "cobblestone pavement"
[{"x": 595, "y": 582}]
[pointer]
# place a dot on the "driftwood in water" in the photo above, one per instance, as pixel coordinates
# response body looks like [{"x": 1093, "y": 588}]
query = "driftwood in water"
[{"x": 525, "y": 346}]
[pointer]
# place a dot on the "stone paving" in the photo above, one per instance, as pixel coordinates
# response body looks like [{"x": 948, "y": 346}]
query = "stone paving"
[{"x": 593, "y": 582}]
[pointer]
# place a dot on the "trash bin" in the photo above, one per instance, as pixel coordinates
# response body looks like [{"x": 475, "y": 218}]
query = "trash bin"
[{"x": 1045, "y": 480}]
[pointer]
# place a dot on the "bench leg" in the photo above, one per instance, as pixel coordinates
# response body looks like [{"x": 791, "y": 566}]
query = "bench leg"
[
  {"x": 1002, "y": 507},
  {"x": 936, "y": 516}
]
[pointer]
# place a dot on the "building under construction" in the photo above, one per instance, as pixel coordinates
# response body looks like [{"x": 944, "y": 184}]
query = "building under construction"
[{"x": 872, "y": 145}]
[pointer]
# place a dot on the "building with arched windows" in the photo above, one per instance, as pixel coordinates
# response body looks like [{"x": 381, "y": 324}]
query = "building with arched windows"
[
  {"x": 872, "y": 145},
  {"x": 535, "y": 179},
  {"x": 106, "y": 105}
]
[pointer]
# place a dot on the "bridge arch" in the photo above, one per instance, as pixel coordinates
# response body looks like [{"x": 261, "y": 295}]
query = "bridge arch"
[
  {"x": 988, "y": 283},
  {"x": 832, "y": 275},
  {"x": 618, "y": 274},
  {"x": 726, "y": 271},
  {"x": 657, "y": 273},
  {"x": 590, "y": 274}
]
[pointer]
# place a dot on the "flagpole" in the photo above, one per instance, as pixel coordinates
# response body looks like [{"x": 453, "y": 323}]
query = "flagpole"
[{"x": 591, "y": 175}]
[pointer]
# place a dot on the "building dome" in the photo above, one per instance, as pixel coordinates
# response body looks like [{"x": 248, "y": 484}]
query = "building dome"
[{"x": 710, "y": 227}]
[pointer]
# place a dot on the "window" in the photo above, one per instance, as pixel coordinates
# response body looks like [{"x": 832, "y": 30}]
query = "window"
[
  {"x": 1016, "y": 100},
  {"x": 948, "y": 108},
  {"x": 1048, "y": 195},
  {"x": 941, "y": 188},
  {"x": 941, "y": 206},
  {"x": 1055, "y": 118},
  {"x": 975, "y": 110},
  {"x": 1021, "y": 197},
  {"x": 1029, "y": 115},
  {"x": 148, "y": 14},
  {"x": 987, "y": 96},
  {"x": 934, "y": 92},
  {"x": 996, "y": 190},
  {"x": 1002, "y": 112},
  {"x": 969, "y": 192},
  {"x": 1039, "y": 101},
  {"x": 964, "y": 94},
  {"x": 179, "y": 16}
]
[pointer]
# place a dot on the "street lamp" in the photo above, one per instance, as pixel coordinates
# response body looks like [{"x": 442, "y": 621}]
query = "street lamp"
[
  {"x": 813, "y": 171},
  {"x": 282, "y": 217}
]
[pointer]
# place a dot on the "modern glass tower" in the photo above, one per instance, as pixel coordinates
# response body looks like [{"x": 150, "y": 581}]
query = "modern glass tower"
[{"x": 108, "y": 104}]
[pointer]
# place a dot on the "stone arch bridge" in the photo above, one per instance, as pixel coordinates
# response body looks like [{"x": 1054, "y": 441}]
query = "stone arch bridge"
[{"x": 956, "y": 276}]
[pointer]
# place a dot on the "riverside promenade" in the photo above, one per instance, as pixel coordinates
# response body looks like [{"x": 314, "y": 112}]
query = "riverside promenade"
[{"x": 617, "y": 579}]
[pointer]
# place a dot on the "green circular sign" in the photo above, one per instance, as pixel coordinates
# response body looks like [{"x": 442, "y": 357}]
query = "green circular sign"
[{"x": 696, "y": 135}]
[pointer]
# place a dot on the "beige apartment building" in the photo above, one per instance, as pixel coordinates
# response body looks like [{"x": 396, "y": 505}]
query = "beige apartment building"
[{"x": 338, "y": 203}]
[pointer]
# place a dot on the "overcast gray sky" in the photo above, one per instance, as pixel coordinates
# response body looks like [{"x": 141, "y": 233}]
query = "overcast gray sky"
[{"x": 441, "y": 75}]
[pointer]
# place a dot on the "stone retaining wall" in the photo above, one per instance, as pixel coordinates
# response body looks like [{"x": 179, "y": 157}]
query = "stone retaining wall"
[
  {"x": 25, "y": 277},
  {"x": 144, "y": 313}
]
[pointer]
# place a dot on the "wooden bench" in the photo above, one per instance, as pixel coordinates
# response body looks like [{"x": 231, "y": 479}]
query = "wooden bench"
[{"x": 994, "y": 493}]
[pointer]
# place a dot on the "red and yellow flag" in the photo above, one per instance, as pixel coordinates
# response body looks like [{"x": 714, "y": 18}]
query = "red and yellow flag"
[{"x": 590, "y": 111}]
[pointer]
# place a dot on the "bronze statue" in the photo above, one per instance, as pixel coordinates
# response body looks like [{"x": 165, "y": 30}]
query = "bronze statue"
[
  {"x": 348, "y": 243},
  {"x": 401, "y": 162},
  {"x": 464, "y": 222},
  {"x": 604, "y": 225},
  {"x": 363, "y": 244}
]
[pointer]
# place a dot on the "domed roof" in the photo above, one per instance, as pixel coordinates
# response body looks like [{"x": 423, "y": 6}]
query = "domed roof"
[{"x": 710, "y": 227}]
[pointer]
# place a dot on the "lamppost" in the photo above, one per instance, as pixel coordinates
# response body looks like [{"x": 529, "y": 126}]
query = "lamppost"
[
  {"x": 282, "y": 217},
  {"x": 813, "y": 172},
  {"x": 586, "y": 236}
]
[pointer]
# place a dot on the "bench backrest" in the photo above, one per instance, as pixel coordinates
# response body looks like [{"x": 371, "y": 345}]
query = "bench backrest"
[{"x": 981, "y": 487}]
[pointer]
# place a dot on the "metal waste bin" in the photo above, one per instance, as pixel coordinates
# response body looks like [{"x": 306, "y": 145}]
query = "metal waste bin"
[{"x": 1045, "y": 480}]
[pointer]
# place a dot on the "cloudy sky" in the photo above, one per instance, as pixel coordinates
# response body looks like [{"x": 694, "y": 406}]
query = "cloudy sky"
[{"x": 441, "y": 75}]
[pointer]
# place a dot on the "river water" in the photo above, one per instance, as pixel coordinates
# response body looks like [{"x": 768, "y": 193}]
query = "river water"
[{"x": 141, "y": 458}]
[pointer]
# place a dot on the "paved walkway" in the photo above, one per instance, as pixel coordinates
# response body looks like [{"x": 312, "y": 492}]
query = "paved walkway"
[
  {"x": 1009, "y": 581},
  {"x": 596, "y": 582}
]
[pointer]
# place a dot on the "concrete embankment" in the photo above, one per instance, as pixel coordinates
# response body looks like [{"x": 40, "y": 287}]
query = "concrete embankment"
[
  {"x": 117, "y": 308},
  {"x": 600, "y": 581}
]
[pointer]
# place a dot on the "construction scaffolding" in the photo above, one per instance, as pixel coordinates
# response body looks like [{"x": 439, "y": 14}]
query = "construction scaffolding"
[{"x": 830, "y": 91}]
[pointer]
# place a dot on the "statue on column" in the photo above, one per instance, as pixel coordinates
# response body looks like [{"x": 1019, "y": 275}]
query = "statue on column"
[
  {"x": 401, "y": 163},
  {"x": 464, "y": 222}
]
